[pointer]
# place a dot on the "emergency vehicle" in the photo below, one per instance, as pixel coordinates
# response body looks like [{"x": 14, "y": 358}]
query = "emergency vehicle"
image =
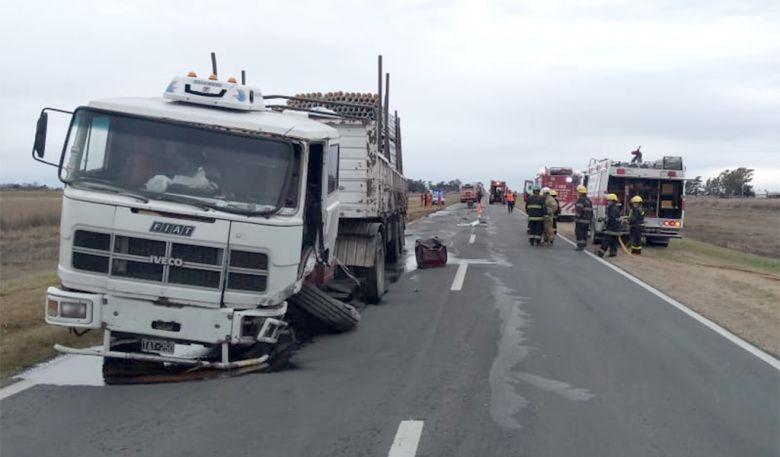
[
  {"x": 468, "y": 193},
  {"x": 661, "y": 184},
  {"x": 497, "y": 190},
  {"x": 563, "y": 180},
  {"x": 528, "y": 186}
]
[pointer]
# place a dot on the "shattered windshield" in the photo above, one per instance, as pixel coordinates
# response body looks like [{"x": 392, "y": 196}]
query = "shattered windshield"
[{"x": 169, "y": 161}]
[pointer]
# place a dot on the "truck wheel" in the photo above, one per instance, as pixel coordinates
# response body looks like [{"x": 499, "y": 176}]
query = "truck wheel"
[
  {"x": 374, "y": 284},
  {"x": 335, "y": 314}
]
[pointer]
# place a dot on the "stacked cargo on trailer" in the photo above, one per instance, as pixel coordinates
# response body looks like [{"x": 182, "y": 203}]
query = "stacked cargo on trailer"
[
  {"x": 660, "y": 183},
  {"x": 372, "y": 188}
]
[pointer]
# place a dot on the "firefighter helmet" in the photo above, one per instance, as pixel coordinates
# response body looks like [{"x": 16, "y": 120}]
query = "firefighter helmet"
[
  {"x": 553, "y": 192},
  {"x": 545, "y": 190},
  {"x": 636, "y": 199},
  {"x": 612, "y": 197},
  {"x": 582, "y": 189}
]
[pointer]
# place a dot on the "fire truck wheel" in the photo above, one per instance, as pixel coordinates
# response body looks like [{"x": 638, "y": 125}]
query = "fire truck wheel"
[{"x": 374, "y": 285}]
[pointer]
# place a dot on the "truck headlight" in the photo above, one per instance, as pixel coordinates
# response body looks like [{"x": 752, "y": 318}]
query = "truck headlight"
[{"x": 73, "y": 310}]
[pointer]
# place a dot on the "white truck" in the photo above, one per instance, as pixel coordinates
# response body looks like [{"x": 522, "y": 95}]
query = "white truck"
[
  {"x": 190, "y": 220},
  {"x": 660, "y": 183}
]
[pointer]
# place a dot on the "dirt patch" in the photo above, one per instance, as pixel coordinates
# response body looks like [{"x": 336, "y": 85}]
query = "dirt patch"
[
  {"x": 745, "y": 224},
  {"x": 741, "y": 292}
]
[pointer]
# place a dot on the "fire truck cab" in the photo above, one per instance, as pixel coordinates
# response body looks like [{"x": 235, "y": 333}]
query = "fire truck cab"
[{"x": 660, "y": 183}]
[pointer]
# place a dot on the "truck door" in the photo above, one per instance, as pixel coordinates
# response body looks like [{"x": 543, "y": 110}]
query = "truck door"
[{"x": 331, "y": 195}]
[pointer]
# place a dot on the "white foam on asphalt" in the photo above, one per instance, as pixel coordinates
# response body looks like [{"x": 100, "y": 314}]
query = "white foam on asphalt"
[
  {"x": 407, "y": 438},
  {"x": 561, "y": 388},
  {"x": 773, "y": 362}
]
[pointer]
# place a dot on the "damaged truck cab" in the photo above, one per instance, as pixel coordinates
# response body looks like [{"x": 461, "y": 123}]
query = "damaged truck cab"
[{"x": 188, "y": 220}]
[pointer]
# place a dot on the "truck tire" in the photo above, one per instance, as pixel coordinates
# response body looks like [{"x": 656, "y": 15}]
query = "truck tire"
[
  {"x": 374, "y": 283},
  {"x": 335, "y": 314}
]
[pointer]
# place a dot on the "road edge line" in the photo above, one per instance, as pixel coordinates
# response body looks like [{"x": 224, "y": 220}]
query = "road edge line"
[
  {"x": 15, "y": 388},
  {"x": 764, "y": 356}
]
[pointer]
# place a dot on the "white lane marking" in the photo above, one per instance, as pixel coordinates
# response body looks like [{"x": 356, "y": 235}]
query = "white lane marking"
[
  {"x": 475, "y": 223},
  {"x": 460, "y": 275},
  {"x": 773, "y": 362},
  {"x": 472, "y": 238},
  {"x": 15, "y": 388},
  {"x": 407, "y": 438}
]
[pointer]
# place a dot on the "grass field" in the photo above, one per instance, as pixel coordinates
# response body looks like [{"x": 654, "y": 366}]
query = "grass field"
[
  {"x": 746, "y": 224},
  {"x": 29, "y": 244},
  {"x": 415, "y": 210}
]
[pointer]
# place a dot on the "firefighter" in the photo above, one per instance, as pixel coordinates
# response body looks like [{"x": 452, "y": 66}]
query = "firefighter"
[
  {"x": 534, "y": 207},
  {"x": 510, "y": 200},
  {"x": 636, "y": 220},
  {"x": 550, "y": 208},
  {"x": 613, "y": 228},
  {"x": 554, "y": 195},
  {"x": 583, "y": 215}
]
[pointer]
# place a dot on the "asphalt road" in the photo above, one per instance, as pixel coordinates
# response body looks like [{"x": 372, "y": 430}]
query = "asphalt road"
[{"x": 541, "y": 352}]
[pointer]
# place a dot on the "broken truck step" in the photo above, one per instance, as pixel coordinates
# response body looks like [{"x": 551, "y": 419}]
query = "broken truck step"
[{"x": 336, "y": 314}]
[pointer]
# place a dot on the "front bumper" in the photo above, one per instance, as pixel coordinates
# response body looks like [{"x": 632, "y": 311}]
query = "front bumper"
[{"x": 175, "y": 322}]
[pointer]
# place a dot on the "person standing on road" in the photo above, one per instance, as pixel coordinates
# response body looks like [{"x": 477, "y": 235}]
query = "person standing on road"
[
  {"x": 554, "y": 194},
  {"x": 534, "y": 208},
  {"x": 613, "y": 229},
  {"x": 583, "y": 211},
  {"x": 550, "y": 208},
  {"x": 510, "y": 201},
  {"x": 636, "y": 220}
]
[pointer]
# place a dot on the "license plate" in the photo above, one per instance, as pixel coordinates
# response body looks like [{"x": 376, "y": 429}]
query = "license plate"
[{"x": 157, "y": 346}]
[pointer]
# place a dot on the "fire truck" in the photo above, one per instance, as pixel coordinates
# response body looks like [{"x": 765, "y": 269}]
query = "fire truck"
[
  {"x": 563, "y": 180},
  {"x": 661, "y": 184},
  {"x": 497, "y": 190},
  {"x": 468, "y": 193}
]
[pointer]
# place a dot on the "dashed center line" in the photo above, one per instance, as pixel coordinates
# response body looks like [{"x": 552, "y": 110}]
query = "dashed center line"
[
  {"x": 472, "y": 238},
  {"x": 407, "y": 438},
  {"x": 460, "y": 275}
]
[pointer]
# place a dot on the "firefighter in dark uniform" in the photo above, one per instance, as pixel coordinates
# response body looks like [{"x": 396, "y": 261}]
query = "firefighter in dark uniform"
[
  {"x": 583, "y": 215},
  {"x": 636, "y": 220},
  {"x": 534, "y": 208},
  {"x": 614, "y": 228}
]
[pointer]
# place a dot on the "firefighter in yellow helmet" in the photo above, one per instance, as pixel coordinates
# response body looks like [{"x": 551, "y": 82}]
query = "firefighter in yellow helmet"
[
  {"x": 613, "y": 229},
  {"x": 636, "y": 220},
  {"x": 583, "y": 214},
  {"x": 554, "y": 195},
  {"x": 550, "y": 208}
]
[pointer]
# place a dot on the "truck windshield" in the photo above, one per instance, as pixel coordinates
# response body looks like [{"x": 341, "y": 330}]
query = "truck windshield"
[{"x": 169, "y": 161}]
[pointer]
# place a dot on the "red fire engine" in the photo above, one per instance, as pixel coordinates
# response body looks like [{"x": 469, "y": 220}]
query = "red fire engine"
[{"x": 565, "y": 181}]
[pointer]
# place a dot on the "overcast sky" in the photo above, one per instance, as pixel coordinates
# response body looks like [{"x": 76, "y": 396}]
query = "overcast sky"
[{"x": 484, "y": 89}]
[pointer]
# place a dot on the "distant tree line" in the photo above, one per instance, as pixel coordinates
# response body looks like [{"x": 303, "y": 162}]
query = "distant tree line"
[
  {"x": 729, "y": 183},
  {"x": 26, "y": 186},
  {"x": 419, "y": 185}
]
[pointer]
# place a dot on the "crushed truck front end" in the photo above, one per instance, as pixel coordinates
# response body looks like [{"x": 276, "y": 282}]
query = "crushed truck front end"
[{"x": 184, "y": 229}]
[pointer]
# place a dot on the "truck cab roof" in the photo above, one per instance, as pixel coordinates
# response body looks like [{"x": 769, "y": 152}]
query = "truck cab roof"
[{"x": 270, "y": 122}]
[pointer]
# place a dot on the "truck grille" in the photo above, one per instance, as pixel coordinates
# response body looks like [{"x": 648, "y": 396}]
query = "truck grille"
[{"x": 170, "y": 262}]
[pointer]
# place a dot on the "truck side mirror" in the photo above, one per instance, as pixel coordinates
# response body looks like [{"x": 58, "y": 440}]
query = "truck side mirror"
[
  {"x": 39, "y": 148},
  {"x": 42, "y": 131}
]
